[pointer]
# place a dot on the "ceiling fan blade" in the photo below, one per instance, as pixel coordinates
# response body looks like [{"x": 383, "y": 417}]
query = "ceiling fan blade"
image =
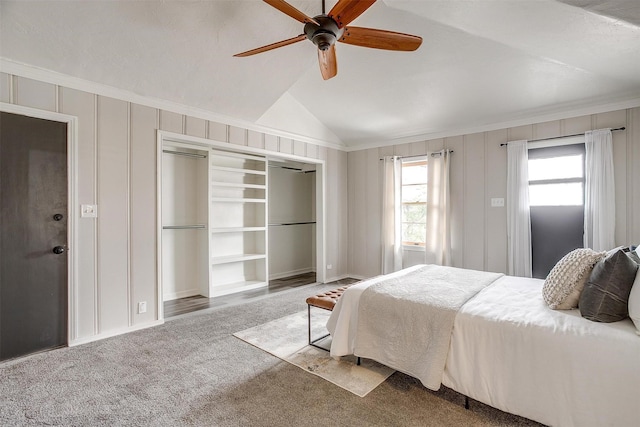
[
  {"x": 328, "y": 62},
  {"x": 380, "y": 39},
  {"x": 346, "y": 11},
  {"x": 286, "y": 8},
  {"x": 272, "y": 46}
]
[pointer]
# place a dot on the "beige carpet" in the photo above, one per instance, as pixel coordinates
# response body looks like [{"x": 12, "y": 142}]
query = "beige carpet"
[{"x": 286, "y": 338}]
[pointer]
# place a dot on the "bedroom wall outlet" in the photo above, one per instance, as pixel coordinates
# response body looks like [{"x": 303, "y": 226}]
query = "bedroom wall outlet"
[
  {"x": 142, "y": 307},
  {"x": 329, "y": 266},
  {"x": 497, "y": 202}
]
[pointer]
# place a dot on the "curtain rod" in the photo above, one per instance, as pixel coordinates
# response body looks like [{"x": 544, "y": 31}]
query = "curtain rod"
[
  {"x": 558, "y": 137},
  {"x": 437, "y": 153}
]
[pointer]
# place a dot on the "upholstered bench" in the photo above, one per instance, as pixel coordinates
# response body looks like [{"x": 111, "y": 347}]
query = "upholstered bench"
[{"x": 326, "y": 301}]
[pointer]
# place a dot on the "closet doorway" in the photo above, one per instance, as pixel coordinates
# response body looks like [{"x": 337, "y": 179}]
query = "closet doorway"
[{"x": 235, "y": 223}]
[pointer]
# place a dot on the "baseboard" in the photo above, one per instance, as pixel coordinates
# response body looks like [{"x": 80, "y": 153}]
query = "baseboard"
[
  {"x": 346, "y": 276},
  {"x": 180, "y": 294},
  {"x": 113, "y": 333},
  {"x": 334, "y": 278},
  {"x": 291, "y": 273}
]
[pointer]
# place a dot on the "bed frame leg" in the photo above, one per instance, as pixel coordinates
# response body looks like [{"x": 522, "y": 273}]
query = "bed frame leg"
[
  {"x": 466, "y": 402},
  {"x": 358, "y": 361}
]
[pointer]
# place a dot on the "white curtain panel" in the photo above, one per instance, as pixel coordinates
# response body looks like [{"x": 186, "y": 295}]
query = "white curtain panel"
[
  {"x": 600, "y": 201},
  {"x": 518, "y": 210},
  {"x": 391, "y": 214},
  {"x": 438, "y": 240}
]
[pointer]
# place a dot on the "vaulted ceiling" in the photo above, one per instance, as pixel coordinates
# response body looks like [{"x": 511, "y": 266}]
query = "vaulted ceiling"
[{"x": 481, "y": 63}]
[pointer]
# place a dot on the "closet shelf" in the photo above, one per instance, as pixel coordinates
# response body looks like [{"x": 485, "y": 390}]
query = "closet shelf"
[
  {"x": 236, "y": 258},
  {"x": 237, "y": 155},
  {"x": 237, "y": 194},
  {"x": 238, "y": 170},
  {"x": 237, "y": 229},
  {"x": 237, "y": 200},
  {"x": 235, "y": 185}
]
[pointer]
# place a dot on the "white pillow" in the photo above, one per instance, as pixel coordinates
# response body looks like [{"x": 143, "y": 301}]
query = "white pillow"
[
  {"x": 634, "y": 301},
  {"x": 563, "y": 285}
]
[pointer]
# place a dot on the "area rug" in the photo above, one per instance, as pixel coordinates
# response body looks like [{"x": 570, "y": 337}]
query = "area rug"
[{"x": 286, "y": 338}]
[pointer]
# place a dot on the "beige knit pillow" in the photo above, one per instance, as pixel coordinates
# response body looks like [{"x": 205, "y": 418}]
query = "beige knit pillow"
[{"x": 563, "y": 285}]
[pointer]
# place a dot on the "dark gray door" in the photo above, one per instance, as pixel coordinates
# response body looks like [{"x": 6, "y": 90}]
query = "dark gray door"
[
  {"x": 556, "y": 230},
  {"x": 33, "y": 235}
]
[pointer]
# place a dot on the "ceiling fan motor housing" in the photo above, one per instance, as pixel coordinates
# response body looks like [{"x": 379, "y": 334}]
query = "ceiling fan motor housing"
[{"x": 324, "y": 35}]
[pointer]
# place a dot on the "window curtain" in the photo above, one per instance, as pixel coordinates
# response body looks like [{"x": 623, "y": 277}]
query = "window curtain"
[
  {"x": 438, "y": 239},
  {"x": 518, "y": 216},
  {"x": 599, "y": 202},
  {"x": 391, "y": 214}
]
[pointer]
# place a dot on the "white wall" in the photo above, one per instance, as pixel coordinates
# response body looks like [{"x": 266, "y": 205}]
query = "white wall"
[
  {"x": 478, "y": 173},
  {"x": 117, "y": 171}
]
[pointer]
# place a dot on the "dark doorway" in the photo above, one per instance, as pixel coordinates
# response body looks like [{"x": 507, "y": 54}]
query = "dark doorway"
[{"x": 33, "y": 235}]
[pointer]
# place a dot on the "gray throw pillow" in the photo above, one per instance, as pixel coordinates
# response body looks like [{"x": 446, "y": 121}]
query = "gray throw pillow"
[
  {"x": 605, "y": 296},
  {"x": 631, "y": 253}
]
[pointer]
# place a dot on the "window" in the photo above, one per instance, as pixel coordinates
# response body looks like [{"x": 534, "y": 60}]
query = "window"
[
  {"x": 556, "y": 181},
  {"x": 414, "y": 202}
]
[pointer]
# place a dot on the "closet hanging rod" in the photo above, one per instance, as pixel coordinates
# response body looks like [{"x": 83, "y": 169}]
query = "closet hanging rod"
[
  {"x": 286, "y": 167},
  {"x": 558, "y": 137},
  {"x": 183, "y": 227},
  {"x": 181, "y": 153},
  {"x": 291, "y": 169},
  {"x": 292, "y": 223}
]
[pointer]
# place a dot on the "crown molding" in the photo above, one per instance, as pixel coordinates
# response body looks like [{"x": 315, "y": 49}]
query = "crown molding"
[
  {"x": 44, "y": 75},
  {"x": 36, "y": 73}
]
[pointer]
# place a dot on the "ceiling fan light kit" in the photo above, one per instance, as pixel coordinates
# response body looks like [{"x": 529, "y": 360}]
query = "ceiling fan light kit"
[
  {"x": 325, "y": 34},
  {"x": 326, "y": 29}
]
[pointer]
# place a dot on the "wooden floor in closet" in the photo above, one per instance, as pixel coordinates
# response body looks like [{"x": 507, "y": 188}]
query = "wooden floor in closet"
[{"x": 198, "y": 302}]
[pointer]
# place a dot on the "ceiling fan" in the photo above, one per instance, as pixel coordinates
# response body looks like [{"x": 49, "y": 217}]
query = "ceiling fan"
[{"x": 325, "y": 29}]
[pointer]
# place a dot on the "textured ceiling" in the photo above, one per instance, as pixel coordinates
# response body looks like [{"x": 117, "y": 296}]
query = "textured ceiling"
[{"x": 482, "y": 62}]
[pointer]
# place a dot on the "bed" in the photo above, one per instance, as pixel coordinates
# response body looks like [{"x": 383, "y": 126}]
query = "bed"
[{"x": 508, "y": 349}]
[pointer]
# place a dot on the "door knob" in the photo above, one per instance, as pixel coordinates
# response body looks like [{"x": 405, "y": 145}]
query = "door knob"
[
  {"x": 57, "y": 217},
  {"x": 59, "y": 250}
]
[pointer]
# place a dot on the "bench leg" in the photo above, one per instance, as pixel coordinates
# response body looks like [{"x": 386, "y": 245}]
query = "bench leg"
[
  {"x": 309, "y": 321},
  {"x": 313, "y": 342}
]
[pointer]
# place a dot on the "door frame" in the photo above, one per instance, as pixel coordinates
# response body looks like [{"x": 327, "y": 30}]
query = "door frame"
[
  {"x": 321, "y": 217},
  {"x": 72, "y": 194}
]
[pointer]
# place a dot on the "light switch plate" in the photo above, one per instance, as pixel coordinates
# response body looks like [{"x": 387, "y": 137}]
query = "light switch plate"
[
  {"x": 497, "y": 202},
  {"x": 89, "y": 211}
]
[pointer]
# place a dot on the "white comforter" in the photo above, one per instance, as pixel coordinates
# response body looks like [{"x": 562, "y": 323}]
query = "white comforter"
[
  {"x": 413, "y": 316},
  {"x": 509, "y": 350}
]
